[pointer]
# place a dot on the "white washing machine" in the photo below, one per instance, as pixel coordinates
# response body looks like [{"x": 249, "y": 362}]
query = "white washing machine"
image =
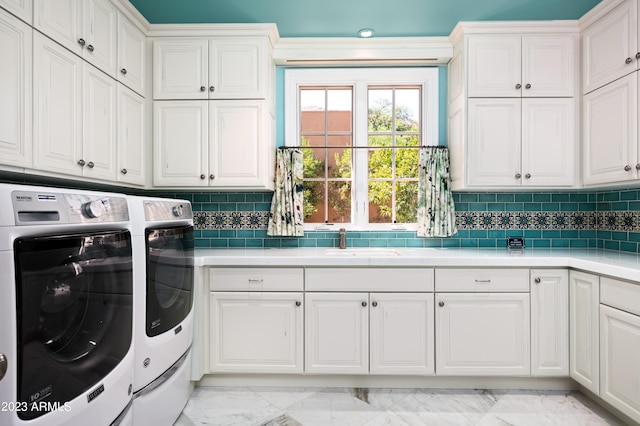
[
  {"x": 163, "y": 242},
  {"x": 66, "y": 307}
]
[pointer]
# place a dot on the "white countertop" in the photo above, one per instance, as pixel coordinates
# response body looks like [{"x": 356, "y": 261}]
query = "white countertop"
[{"x": 602, "y": 262}]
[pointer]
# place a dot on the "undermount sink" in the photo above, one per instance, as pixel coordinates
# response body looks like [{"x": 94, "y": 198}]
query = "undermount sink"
[{"x": 363, "y": 252}]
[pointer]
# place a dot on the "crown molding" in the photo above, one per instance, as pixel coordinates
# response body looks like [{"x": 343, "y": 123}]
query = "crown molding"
[
  {"x": 133, "y": 14},
  {"x": 596, "y": 13},
  {"x": 215, "y": 30}
]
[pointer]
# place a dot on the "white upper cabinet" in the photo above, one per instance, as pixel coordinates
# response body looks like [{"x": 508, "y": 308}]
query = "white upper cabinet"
[
  {"x": 610, "y": 46},
  {"x": 527, "y": 66},
  {"x": 131, "y": 135},
  {"x": 15, "y": 87},
  {"x": 131, "y": 55},
  {"x": 86, "y": 27},
  {"x": 220, "y": 68},
  {"x": 23, "y": 9}
]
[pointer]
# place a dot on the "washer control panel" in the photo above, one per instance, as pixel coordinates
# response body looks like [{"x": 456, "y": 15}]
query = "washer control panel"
[
  {"x": 37, "y": 208},
  {"x": 167, "y": 210}
]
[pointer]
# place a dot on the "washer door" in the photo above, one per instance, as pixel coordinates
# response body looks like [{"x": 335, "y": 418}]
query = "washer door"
[
  {"x": 169, "y": 277},
  {"x": 74, "y": 313}
]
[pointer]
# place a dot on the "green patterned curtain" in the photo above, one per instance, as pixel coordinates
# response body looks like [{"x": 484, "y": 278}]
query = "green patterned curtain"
[
  {"x": 285, "y": 218},
  {"x": 436, "y": 210}
]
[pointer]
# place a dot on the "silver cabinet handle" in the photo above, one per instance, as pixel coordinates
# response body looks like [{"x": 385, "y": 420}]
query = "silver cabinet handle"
[
  {"x": 256, "y": 280},
  {"x": 518, "y": 86},
  {"x": 528, "y": 86},
  {"x": 90, "y": 164},
  {"x": 527, "y": 176},
  {"x": 441, "y": 303},
  {"x": 202, "y": 176},
  {"x": 123, "y": 171},
  {"x": 483, "y": 281},
  {"x": 90, "y": 48},
  {"x": 202, "y": 88},
  {"x": 628, "y": 61},
  {"x": 537, "y": 280},
  {"x": 81, "y": 162},
  {"x": 518, "y": 175},
  {"x": 627, "y": 168},
  {"x": 212, "y": 176},
  {"x": 3, "y": 365},
  {"x": 298, "y": 303},
  {"x": 123, "y": 71},
  {"x": 212, "y": 88},
  {"x": 81, "y": 42},
  {"x": 374, "y": 304},
  {"x": 364, "y": 304}
]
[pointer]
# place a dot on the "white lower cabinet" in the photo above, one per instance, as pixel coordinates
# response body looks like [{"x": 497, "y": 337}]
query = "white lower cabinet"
[
  {"x": 259, "y": 332},
  {"x": 549, "y": 322},
  {"x": 584, "y": 294},
  {"x": 483, "y": 334}
]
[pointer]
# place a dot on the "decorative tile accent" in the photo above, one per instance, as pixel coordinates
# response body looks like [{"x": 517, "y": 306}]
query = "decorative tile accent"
[{"x": 230, "y": 220}]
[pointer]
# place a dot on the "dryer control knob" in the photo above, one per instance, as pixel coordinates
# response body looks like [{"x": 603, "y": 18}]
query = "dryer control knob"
[
  {"x": 92, "y": 209},
  {"x": 3, "y": 365},
  {"x": 178, "y": 210}
]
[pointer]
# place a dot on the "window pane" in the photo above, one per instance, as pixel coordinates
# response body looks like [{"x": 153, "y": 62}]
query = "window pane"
[
  {"x": 339, "y": 202},
  {"x": 407, "y": 163},
  {"x": 313, "y": 163},
  {"x": 380, "y": 163},
  {"x": 312, "y": 110},
  {"x": 380, "y": 196},
  {"x": 314, "y": 201},
  {"x": 340, "y": 110},
  {"x": 380, "y": 108},
  {"x": 407, "y": 202},
  {"x": 340, "y": 163},
  {"x": 407, "y": 109}
]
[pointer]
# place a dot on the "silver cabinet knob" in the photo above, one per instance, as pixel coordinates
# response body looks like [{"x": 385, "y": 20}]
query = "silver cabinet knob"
[
  {"x": 627, "y": 168},
  {"x": 364, "y": 304},
  {"x": 3, "y": 365},
  {"x": 518, "y": 86},
  {"x": 202, "y": 88},
  {"x": 518, "y": 175},
  {"x": 374, "y": 304},
  {"x": 212, "y": 176},
  {"x": 637, "y": 166},
  {"x": 123, "y": 171},
  {"x": 123, "y": 71},
  {"x": 441, "y": 303},
  {"x": 537, "y": 280},
  {"x": 203, "y": 177},
  {"x": 527, "y": 176},
  {"x": 90, "y": 48},
  {"x": 528, "y": 86},
  {"x": 81, "y": 42},
  {"x": 90, "y": 164},
  {"x": 81, "y": 162},
  {"x": 212, "y": 88},
  {"x": 628, "y": 61},
  {"x": 298, "y": 303}
]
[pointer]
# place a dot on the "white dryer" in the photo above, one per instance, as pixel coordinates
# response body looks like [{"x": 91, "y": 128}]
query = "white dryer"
[
  {"x": 163, "y": 243},
  {"x": 66, "y": 299}
]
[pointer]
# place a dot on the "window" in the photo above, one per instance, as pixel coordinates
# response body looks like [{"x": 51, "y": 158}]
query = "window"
[{"x": 353, "y": 126}]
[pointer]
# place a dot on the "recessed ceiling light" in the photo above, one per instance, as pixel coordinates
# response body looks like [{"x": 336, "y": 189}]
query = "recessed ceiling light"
[{"x": 365, "y": 33}]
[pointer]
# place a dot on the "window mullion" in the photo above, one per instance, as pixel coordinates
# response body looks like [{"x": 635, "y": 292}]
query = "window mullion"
[{"x": 361, "y": 162}]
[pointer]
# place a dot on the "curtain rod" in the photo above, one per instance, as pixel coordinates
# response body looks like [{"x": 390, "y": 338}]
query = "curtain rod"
[{"x": 363, "y": 147}]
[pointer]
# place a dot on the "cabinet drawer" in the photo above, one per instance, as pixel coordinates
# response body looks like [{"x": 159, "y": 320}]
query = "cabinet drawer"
[
  {"x": 256, "y": 279},
  {"x": 620, "y": 294},
  {"x": 482, "y": 280},
  {"x": 369, "y": 279}
]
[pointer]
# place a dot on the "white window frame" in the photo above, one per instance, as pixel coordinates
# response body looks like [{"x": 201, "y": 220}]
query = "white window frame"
[{"x": 360, "y": 79}]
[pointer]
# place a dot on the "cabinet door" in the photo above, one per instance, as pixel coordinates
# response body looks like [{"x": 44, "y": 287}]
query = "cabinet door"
[
  {"x": 131, "y": 55},
  {"x": 180, "y": 69},
  {"x": 99, "y": 124},
  {"x": 484, "y": 334},
  {"x": 584, "y": 293},
  {"x": 15, "y": 87},
  {"x": 609, "y": 46},
  {"x": 131, "y": 137},
  {"x": 402, "y": 330},
  {"x": 256, "y": 332},
  {"x": 61, "y": 20},
  {"x": 100, "y": 32},
  {"x": 180, "y": 143},
  {"x": 548, "y": 66},
  {"x": 23, "y": 9},
  {"x": 619, "y": 355},
  {"x": 57, "y": 98},
  {"x": 337, "y": 333},
  {"x": 548, "y": 142},
  {"x": 610, "y": 121},
  {"x": 237, "y": 143},
  {"x": 494, "y": 66},
  {"x": 549, "y": 322},
  {"x": 494, "y": 142},
  {"x": 235, "y": 69}
]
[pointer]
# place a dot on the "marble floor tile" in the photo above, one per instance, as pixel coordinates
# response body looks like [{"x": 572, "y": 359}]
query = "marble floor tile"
[{"x": 273, "y": 406}]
